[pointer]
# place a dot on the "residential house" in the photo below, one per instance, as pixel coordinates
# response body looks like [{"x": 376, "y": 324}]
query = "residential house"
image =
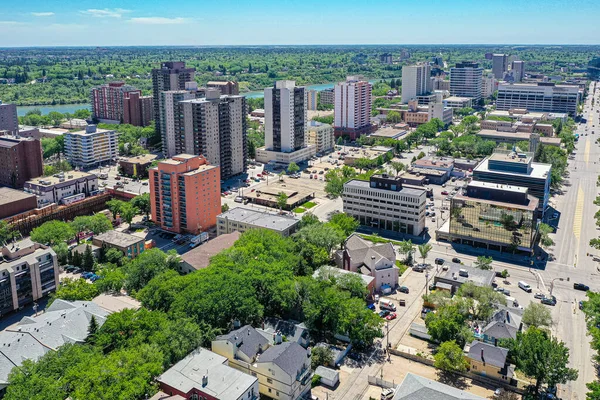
[
  {"x": 504, "y": 324},
  {"x": 489, "y": 360},
  {"x": 291, "y": 330},
  {"x": 416, "y": 387}
]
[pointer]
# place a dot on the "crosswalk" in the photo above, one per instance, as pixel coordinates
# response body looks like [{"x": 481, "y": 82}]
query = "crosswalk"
[{"x": 578, "y": 217}]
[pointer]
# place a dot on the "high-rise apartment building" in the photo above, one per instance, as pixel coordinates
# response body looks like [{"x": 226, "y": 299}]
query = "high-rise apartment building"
[
  {"x": 327, "y": 97},
  {"x": 353, "y": 101},
  {"x": 285, "y": 117},
  {"x": 171, "y": 124},
  {"x": 85, "y": 149},
  {"x": 8, "y": 118},
  {"x": 215, "y": 127},
  {"x": 311, "y": 100},
  {"x": 541, "y": 96},
  {"x": 137, "y": 109},
  {"x": 184, "y": 194},
  {"x": 321, "y": 136},
  {"x": 20, "y": 160},
  {"x": 225, "y": 87},
  {"x": 107, "y": 101},
  {"x": 499, "y": 65},
  {"x": 466, "y": 80},
  {"x": 416, "y": 81},
  {"x": 172, "y": 75},
  {"x": 518, "y": 70}
]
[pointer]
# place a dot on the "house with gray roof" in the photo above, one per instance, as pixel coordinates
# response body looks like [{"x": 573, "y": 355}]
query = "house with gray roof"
[
  {"x": 415, "y": 387},
  {"x": 275, "y": 329},
  {"x": 367, "y": 258},
  {"x": 62, "y": 322},
  {"x": 283, "y": 369},
  {"x": 490, "y": 361},
  {"x": 329, "y": 377},
  {"x": 457, "y": 274},
  {"x": 505, "y": 324},
  {"x": 327, "y": 272}
]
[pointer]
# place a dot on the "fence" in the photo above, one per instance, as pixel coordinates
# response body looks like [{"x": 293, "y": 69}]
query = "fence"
[{"x": 373, "y": 380}]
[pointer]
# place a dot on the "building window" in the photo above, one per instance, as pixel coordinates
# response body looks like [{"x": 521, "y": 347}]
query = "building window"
[{"x": 269, "y": 380}]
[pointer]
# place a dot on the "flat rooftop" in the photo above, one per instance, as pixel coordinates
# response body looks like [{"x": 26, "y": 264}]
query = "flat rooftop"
[
  {"x": 517, "y": 158},
  {"x": 498, "y": 186},
  {"x": 141, "y": 159},
  {"x": 260, "y": 219},
  {"x": 98, "y": 130},
  {"x": 429, "y": 162},
  {"x": 427, "y": 171},
  {"x": 61, "y": 178},
  {"x": 478, "y": 276},
  {"x": 367, "y": 185},
  {"x": 509, "y": 135},
  {"x": 8, "y": 195},
  {"x": 389, "y": 133},
  {"x": 118, "y": 238},
  {"x": 457, "y": 99},
  {"x": 532, "y": 205},
  {"x": 538, "y": 170}
]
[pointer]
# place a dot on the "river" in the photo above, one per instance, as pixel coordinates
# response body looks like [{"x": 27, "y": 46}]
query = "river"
[{"x": 71, "y": 108}]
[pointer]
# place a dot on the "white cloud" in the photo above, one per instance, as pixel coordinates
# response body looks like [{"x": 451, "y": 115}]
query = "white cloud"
[
  {"x": 106, "y": 12},
  {"x": 11, "y": 23},
  {"x": 159, "y": 20},
  {"x": 42, "y": 14}
]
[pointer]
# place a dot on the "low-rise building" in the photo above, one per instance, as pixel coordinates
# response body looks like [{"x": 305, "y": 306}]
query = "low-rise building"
[
  {"x": 63, "y": 188},
  {"x": 329, "y": 377},
  {"x": 130, "y": 245},
  {"x": 458, "y": 102},
  {"x": 327, "y": 272},
  {"x": 490, "y": 361},
  {"x": 416, "y": 387},
  {"x": 265, "y": 155},
  {"x": 199, "y": 257},
  {"x": 14, "y": 202},
  {"x": 389, "y": 133},
  {"x": 321, "y": 136},
  {"x": 91, "y": 147},
  {"x": 371, "y": 153},
  {"x": 456, "y": 274},
  {"x": 267, "y": 194},
  {"x": 203, "y": 374},
  {"x": 432, "y": 176},
  {"x": 231, "y": 88},
  {"x": 28, "y": 272},
  {"x": 137, "y": 166},
  {"x": 283, "y": 369},
  {"x": 20, "y": 160},
  {"x": 505, "y": 324},
  {"x": 383, "y": 203},
  {"x": 291, "y": 330},
  {"x": 242, "y": 219}
]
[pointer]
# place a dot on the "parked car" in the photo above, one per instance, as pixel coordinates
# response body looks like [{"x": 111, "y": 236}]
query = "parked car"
[
  {"x": 418, "y": 268},
  {"x": 439, "y": 261},
  {"x": 445, "y": 193},
  {"x": 403, "y": 289},
  {"x": 86, "y": 275},
  {"x": 376, "y": 297},
  {"x": 581, "y": 286},
  {"x": 551, "y": 301},
  {"x": 383, "y": 313},
  {"x": 391, "y": 316},
  {"x": 456, "y": 260},
  {"x": 371, "y": 306},
  {"x": 538, "y": 295}
]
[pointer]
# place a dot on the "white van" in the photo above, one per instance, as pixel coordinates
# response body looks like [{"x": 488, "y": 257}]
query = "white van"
[
  {"x": 387, "y": 394},
  {"x": 525, "y": 286},
  {"x": 385, "y": 304}
]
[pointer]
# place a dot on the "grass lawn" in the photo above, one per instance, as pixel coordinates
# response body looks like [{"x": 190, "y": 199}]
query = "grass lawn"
[
  {"x": 401, "y": 266},
  {"x": 308, "y": 205},
  {"x": 299, "y": 210},
  {"x": 378, "y": 239}
]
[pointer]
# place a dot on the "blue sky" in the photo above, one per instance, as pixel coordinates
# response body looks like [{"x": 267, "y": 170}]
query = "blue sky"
[{"x": 242, "y": 22}]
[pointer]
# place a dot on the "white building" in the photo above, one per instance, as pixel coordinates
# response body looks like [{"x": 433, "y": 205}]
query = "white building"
[
  {"x": 240, "y": 219},
  {"x": 311, "y": 100},
  {"x": 169, "y": 108},
  {"x": 91, "y": 147},
  {"x": 458, "y": 102},
  {"x": 490, "y": 85},
  {"x": 62, "y": 188},
  {"x": 353, "y": 101},
  {"x": 543, "y": 96},
  {"x": 321, "y": 136},
  {"x": 466, "y": 80},
  {"x": 416, "y": 81},
  {"x": 383, "y": 203}
]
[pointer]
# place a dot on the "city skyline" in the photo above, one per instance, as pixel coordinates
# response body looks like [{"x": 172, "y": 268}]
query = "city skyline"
[{"x": 266, "y": 22}]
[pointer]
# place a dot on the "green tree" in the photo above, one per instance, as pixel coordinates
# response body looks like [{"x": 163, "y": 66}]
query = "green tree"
[
  {"x": 114, "y": 256},
  {"x": 6, "y": 232},
  {"x": 309, "y": 219},
  {"x": 393, "y": 117},
  {"x": 112, "y": 281},
  {"x": 424, "y": 250},
  {"x": 545, "y": 239},
  {"x": 146, "y": 266},
  {"x": 293, "y": 168},
  {"x": 344, "y": 222},
  {"x": 321, "y": 355},
  {"x": 537, "y": 315},
  {"x": 450, "y": 358},
  {"x": 75, "y": 289},
  {"x": 92, "y": 330},
  {"x": 55, "y": 117},
  {"x": 420, "y": 155},
  {"x": 114, "y": 206},
  {"x": 398, "y": 167},
  {"x": 484, "y": 262},
  {"x": 486, "y": 300},
  {"x": 448, "y": 323},
  {"x": 88, "y": 259},
  {"x": 407, "y": 247},
  {"x": 282, "y": 199},
  {"x": 224, "y": 207},
  {"x": 594, "y": 390},
  {"x": 322, "y": 235},
  {"x": 142, "y": 203},
  {"x": 128, "y": 211},
  {"x": 334, "y": 184},
  {"x": 52, "y": 232},
  {"x": 62, "y": 252},
  {"x": 251, "y": 150}
]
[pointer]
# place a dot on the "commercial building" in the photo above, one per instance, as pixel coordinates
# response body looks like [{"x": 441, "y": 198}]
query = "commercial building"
[
  {"x": 242, "y": 219},
  {"x": 416, "y": 81},
  {"x": 458, "y": 102},
  {"x": 416, "y": 387},
  {"x": 516, "y": 169},
  {"x": 321, "y": 136},
  {"x": 436, "y": 163},
  {"x": 283, "y": 369},
  {"x": 137, "y": 109},
  {"x": 311, "y": 99},
  {"x": 499, "y": 65},
  {"x": 389, "y": 133},
  {"x": 8, "y": 118},
  {"x": 130, "y": 245},
  {"x": 353, "y": 102},
  {"x": 184, "y": 194},
  {"x": 440, "y": 84},
  {"x": 327, "y": 97},
  {"x": 14, "y": 202},
  {"x": 518, "y": 70},
  {"x": 490, "y": 361},
  {"x": 20, "y": 160},
  {"x": 108, "y": 102},
  {"x": 494, "y": 216},
  {"x": 542, "y": 96},
  {"x": 466, "y": 80},
  {"x": 199, "y": 257},
  {"x": 264, "y": 155},
  {"x": 452, "y": 278},
  {"x": 490, "y": 85},
  {"x": 89, "y": 148},
  {"x": 440, "y": 111},
  {"x": 227, "y": 88},
  {"x": 371, "y": 153},
  {"x": 203, "y": 374},
  {"x": 170, "y": 76},
  {"x": 383, "y": 203},
  {"x": 136, "y": 166},
  {"x": 214, "y": 127},
  {"x": 62, "y": 188},
  {"x": 513, "y": 137},
  {"x": 28, "y": 272}
]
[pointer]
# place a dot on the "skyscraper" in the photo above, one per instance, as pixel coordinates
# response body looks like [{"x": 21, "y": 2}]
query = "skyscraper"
[
  {"x": 353, "y": 100},
  {"x": 466, "y": 80},
  {"x": 285, "y": 117},
  {"x": 8, "y": 118},
  {"x": 499, "y": 65},
  {"x": 108, "y": 102},
  {"x": 171, "y": 128},
  {"x": 137, "y": 109},
  {"x": 170, "y": 76},
  {"x": 518, "y": 70},
  {"x": 416, "y": 81}
]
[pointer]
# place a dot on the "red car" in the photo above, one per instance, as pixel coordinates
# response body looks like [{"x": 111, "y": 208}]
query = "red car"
[
  {"x": 445, "y": 193},
  {"x": 391, "y": 316}
]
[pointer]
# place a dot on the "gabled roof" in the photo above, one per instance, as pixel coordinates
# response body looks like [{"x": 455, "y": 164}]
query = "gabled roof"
[
  {"x": 505, "y": 324},
  {"x": 415, "y": 387},
  {"x": 291, "y": 330},
  {"x": 247, "y": 339},
  {"x": 490, "y": 354},
  {"x": 361, "y": 250},
  {"x": 289, "y": 356}
]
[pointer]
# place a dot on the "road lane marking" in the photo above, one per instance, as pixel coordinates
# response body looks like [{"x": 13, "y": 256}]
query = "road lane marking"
[
  {"x": 578, "y": 217},
  {"x": 586, "y": 155}
]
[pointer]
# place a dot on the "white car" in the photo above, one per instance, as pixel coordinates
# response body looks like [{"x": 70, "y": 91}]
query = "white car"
[{"x": 376, "y": 298}]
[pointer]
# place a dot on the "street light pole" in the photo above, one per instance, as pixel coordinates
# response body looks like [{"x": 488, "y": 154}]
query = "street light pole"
[
  {"x": 552, "y": 283},
  {"x": 426, "y": 283}
]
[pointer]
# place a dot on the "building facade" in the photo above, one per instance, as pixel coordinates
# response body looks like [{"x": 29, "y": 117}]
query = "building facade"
[
  {"x": 28, "y": 272},
  {"x": 184, "y": 194},
  {"x": 242, "y": 219},
  {"x": 518, "y": 70},
  {"x": 227, "y": 88},
  {"x": 92, "y": 147},
  {"x": 321, "y": 136},
  {"x": 170, "y": 110},
  {"x": 416, "y": 81},
  {"x": 137, "y": 109},
  {"x": 20, "y": 160},
  {"x": 499, "y": 65},
  {"x": 311, "y": 99},
  {"x": 542, "y": 96},
  {"x": 108, "y": 102},
  {"x": 130, "y": 245},
  {"x": 383, "y": 203},
  {"x": 353, "y": 102},
  {"x": 466, "y": 80},
  {"x": 490, "y": 85},
  {"x": 327, "y": 97},
  {"x": 61, "y": 188},
  {"x": 136, "y": 166},
  {"x": 14, "y": 202},
  {"x": 8, "y": 118}
]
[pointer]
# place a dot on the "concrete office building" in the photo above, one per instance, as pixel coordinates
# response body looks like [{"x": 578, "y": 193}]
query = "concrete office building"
[
  {"x": 215, "y": 127},
  {"x": 108, "y": 103},
  {"x": 499, "y": 65},
  {"x": 8, "y": 118},
  {"x": 89, "y": 148},
  {"x": 519, "y": 170},
  {"x": 438, "y": 109},
  {"x": 466, "y": 80},
  {"x": 369, "y": 202},
  {"x": 225, "y": 87},
  {"x": 242, "y": 219},
  {"x": 62, "y": 188},
  {"x": 353, "y": 102},
  {"x": 137, "y": 109},
  {"x": 20, "y": 160},
  {"x": 170, "y": 76},
  {"x": 518, "y": 70},
  {"x": 311, "y": 100},
  {"x": 494, "y": 216},
  {"x": 28, "y": 272},
  {"x": 184, "y": 194},
  {"x": 416, "y": 81},
  {"x": 490, "y": 85},
  {"x": 327, "y": 97},
  {"x": 542, "y": 96},
  {"x": 321, "y": 136}
]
